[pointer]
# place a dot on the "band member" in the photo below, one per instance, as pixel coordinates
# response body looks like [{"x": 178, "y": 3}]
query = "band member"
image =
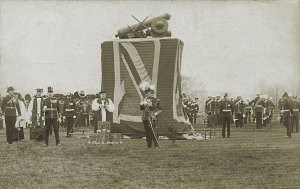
[
  {"x": 10, "y": 107},
  {"x": 239, "y": 107},
  {"x": 258, "y": 105},
  {"x": 151, "y": 109},
  {"x": 218, "y": 116},
  {"x": 50, "y": 107},
  {"x": 35, "y": 109},
  {"x": 269, "y": 109},
  {"x": 195, "y": 110},
  {"x": 226, "y": 110},
  {"x": 84, "y": 109},
  {"x": 210, "y": 110},
  {"x": 69, "y": 114},
  {"x": 102, "y": 108},
  {"x": 286, "y": 111},
  {"x": 295, "y": 118},
  {"x": 248, "y": 111}
]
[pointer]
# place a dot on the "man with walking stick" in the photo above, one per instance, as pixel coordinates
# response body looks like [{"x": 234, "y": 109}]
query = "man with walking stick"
[{"x": 151, "y": 109}]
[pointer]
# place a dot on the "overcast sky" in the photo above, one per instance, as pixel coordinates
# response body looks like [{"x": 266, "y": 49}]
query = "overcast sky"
[{"x": 230, "y": 46}]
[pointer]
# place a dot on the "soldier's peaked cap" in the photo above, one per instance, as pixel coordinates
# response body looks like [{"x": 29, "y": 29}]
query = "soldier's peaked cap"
[
  {"x": 39, "y": 89},
  {"x": 285, "y": 94}
]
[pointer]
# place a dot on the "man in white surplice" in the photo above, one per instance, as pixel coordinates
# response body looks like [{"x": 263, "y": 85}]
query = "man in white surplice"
[{"x": 102, "y": 108}]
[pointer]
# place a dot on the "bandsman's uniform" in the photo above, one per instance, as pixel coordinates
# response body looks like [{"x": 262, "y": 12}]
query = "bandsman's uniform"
[
  {"x": 239, "y": 108},
  {"x": 210, "y": 110},
  {"x": 70, "y": 115},
  {"x": 259, "y": 106},
  {"x": 226, "y": 110},
  {"x": 248, "y": 110},
  {"x": 286, "y": 110},
  {"x": 295, "y": 118}
]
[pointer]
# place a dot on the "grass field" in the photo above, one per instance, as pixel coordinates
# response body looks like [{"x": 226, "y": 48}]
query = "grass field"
[{"x": 250, "y": 159}]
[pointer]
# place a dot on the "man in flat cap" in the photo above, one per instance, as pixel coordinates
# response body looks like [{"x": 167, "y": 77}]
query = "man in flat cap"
[
  {"x": 226, "y": 110},
  {"x": 286, "y": 111},
  {"x": 51, "y": 109},
  {"x": 102, "y": 108},
  {"x": 11, "y": 109}
]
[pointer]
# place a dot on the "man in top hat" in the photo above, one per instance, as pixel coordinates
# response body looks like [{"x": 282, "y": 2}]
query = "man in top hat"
[
  {"x": 295, "y": 118},
  {"x": 151, "y": 109},
  {"x": 102, "y": 108},
  {"x": 35, "y": 108},
  {"x": 69, "y": 114},
  {"x": 11, "y": 109},
  {"x": 226, "y": 110},
  {"x": 84, "y": 107},
  {"x": 51, "y": 109},
  {"x": 286, "y": 111}
]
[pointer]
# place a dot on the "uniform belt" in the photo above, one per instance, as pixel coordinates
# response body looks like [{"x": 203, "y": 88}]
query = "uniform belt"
[
  {"x": 226, "y": 110},
  {"x": 258, "y": 106},
  {"x": 69, "y": 110},
  {"x": 285, "y": 110},
  {"x": 53, "y": 109},
  {"x": 11, "y": 107},
  {"x": 295, "y": 110}
]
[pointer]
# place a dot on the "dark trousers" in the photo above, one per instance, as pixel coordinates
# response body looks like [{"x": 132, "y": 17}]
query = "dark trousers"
[
  {"x": 287, "y": 123},
  {"x": 247, "y": 118},
  {"x": 295, "y": 123},
  {"x": 150, "y": 137},
  {"x": 239, "y": 121},
  {"x": 259, "y": 119},
  {"x": 10, "y": 122},
  {"x": 49, "y": 123},
  {"x": 226, "y": 124},
  {"x": 194, "y": 117},
  {"x": 84, "y": 120},
  {"x": 69, "y": 124}
]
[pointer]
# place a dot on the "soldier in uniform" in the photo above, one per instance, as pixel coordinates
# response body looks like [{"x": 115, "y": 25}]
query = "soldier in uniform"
[
  {"x": 102, "y": 108},
  {"x": 69, "y": 114},
  {"x": 295, "y": 118},
  {"x": 218, "y": 115},
  {"x": 226, "y": 110},
  {"x": 210, "y": 109},
  {"x": 286, "y": 110},
  {"x": 258, "y": 105},
  {"x": 51, "y": 109},
  {"x": 239, "y": 108},
  {"x": 195, "y": 110},
  {"x": 151, "y": 109},
  {"x": 10, "y": 107},
  {"x": 248, "y": 110},
  {"x": 270, "y": 109},
  {"x": 84, "y": 108}
]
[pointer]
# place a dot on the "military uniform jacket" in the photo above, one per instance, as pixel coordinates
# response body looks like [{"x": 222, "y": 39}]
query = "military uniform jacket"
[
  {"x": 84, "y": 106},
  {"x": 239, "y": 106},
  {"x": 226, "y": 108},
  {"x": 9, "y": 107},
  {"x": 286, "y": 108},
  {"x": 296, "y": 108},
  {"x": 210, "y": 106},
  {"x": 51, "y": 107},
  {"x": 69, "y": 108},
  {"x": 151, "y": 108}
]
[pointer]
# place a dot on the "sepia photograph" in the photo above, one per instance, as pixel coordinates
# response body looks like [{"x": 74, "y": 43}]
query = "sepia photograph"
[{"x": 149, "y": 94}]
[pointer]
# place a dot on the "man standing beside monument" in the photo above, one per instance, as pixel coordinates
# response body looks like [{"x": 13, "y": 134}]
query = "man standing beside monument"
[
  {"x": 102, "y": 108},
  {"x": 151, "y": 109}
]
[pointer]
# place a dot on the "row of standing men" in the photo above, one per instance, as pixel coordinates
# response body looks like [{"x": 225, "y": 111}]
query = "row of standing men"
[{"x": 50, "y": 111}]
